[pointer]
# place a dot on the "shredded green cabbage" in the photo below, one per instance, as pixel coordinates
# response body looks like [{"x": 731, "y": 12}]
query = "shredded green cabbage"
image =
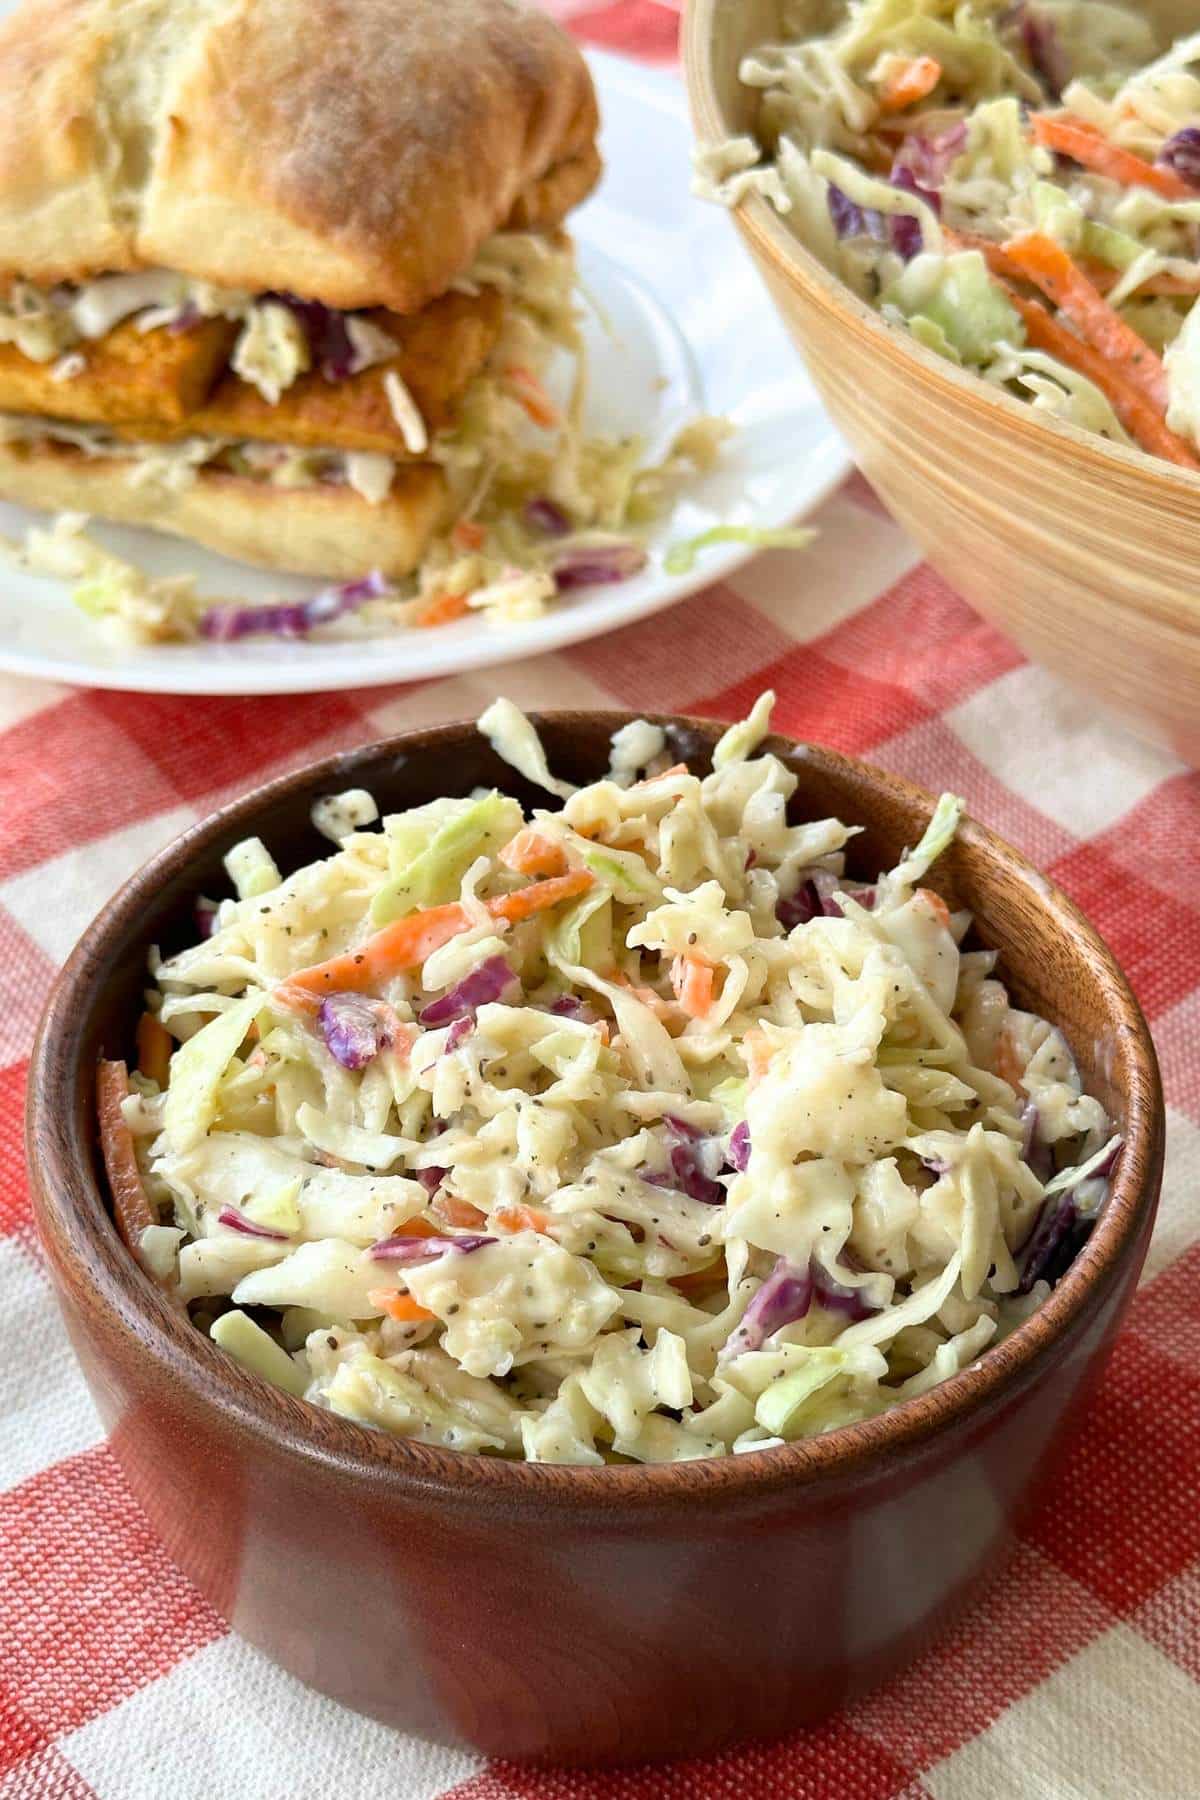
[{"x": 710, "y": 1151}]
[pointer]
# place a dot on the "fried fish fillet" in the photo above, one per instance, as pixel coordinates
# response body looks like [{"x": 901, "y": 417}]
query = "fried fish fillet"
[
  {"x": 441, "y": 349},
  {"x": 136, "y": 383},
  {"x": 147, "y": 377}
]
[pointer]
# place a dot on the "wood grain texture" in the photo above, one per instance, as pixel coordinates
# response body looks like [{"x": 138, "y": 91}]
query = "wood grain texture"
[
  {"x": 559, "y": 1613},
  {"x": 1087, "y": 553}
]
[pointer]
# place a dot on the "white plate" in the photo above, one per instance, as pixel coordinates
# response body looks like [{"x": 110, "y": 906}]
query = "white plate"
[{"x": 688, "y": 329}]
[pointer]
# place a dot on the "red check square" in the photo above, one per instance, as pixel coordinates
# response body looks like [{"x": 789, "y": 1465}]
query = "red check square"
[
  {"x": 1123, "y": 1518},
  {"x": 1154, "y": 936},
  {"x": 69, "y": 775},
  {"x": 91, "y": 1608},
  {"x": 213, "y": 744},
  {"x": 822, "y": 702}
]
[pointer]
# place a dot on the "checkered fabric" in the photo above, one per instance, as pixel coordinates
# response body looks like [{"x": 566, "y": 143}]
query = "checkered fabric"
[{"x": 1079, "y": 1677}]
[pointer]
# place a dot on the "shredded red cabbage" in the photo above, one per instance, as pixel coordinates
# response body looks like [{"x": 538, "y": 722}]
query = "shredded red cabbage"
[
  {"x": 431, "y": 1178},
  {"x": 237, "y": 1221},
  {"x": 356, "y": 1028},
  {"x": 408, "y": 1250},
  {"x": 1182, "y": 154},
  {"x": 291, "y": 618},
  {"x": 852, "y": 220},
  {"x": 204, "y": 916},
  {"x": 461, "y": 1028},
  {"x": 570, "y": 1006},
  {"x": 547, "y": 516},
  {"x": 815, "y": 897},
  {"x": 592, "y": 564},
  {"x": 787, "y": 1295},
  {"x": 1063, "y": 1227},
  {"x": 928, "y": 159},
  {"x": 784, "y": 1296},
  {"x": 329, "y": 343},
  {"x": 908, "y": 240},
  {"x": 1039, "y": 40},
  {"x": 1034, "y": 1150},
  {"x": 739, "y": 1147},
  {"x": 488, "y": 982}
]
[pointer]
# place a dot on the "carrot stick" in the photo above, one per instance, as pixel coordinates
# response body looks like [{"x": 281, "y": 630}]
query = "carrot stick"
[
  {"x": 663, "y": 775},
  {"x": 936, "y": 905},
  {"x": 468, "y": 534},
  {"x": 908, "y": 79},
  {"x": 692, "y": 979},
  {"x": 1085, "y": 145},
  {"x": 131, "y": 1208},
  {"x": 541, "y": 894},
  {"x": 401, "y": 1307},
  {"x": 407, "y": 942},
  {"x": 1007, "y": 1064},
  {"x": 1047, "y": 265},
  {"x": 403, "y": 944},
  {"x": 458, "y": 1212},
  {"x": 154, "y": 1048},
  {"x": 532, "y": 397},
  {"x": 132, "y": 1211},
  {"x": 443, "y": 609},
  {"x": 531, "y": 853},
  {"x": 521, "y": 1218}
]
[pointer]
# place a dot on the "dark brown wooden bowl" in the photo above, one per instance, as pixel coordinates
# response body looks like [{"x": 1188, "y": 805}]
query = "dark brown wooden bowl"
[{"x": 561, "y": 1613}]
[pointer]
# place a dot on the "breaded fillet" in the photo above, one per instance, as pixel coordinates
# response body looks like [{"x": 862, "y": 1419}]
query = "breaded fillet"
[
  {"x": 129, "y": 376},
  {"x": 441, "y": 350},
  {"x": 151, "y": 387}
]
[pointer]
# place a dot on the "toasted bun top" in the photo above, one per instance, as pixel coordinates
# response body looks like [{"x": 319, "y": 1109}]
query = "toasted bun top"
[{"x": 353, "y": 151}]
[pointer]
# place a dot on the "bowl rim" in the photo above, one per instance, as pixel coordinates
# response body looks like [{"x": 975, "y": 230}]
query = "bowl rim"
[
  {"x": 77, "y": 1230},
  {"x": 771, "y": 237}
]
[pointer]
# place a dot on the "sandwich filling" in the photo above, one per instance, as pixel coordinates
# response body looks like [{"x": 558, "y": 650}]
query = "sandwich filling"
[
  {"x": 444, "y": 413},
  {"x": 174, "y": 374}
]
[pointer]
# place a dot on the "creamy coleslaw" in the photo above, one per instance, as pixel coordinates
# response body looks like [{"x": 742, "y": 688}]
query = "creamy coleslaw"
[
  {"x": 1017, "y": 185},
  {"x": 629, "y": 1129}
]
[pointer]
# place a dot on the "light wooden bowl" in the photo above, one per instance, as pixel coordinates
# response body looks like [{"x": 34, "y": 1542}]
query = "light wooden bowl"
[{"x": 1086, "y": 553}]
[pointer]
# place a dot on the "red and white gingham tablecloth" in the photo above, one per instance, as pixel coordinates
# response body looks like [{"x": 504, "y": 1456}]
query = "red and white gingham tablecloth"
[{"x": 1080, "y": 1677}]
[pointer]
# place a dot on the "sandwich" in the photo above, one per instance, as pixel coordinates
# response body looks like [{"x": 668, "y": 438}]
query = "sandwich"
[{"x": 285, "y": 277}]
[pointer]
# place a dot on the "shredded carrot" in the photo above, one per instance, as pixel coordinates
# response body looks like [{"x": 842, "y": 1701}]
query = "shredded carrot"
[
  {"x": 521, "y": 1218},
  {"x": 540, "y": 894},
  {"x": 758, "y": 1054},
  {"x": 1050, "y": 269},
  {"x": 532, "y": 397},
  {"x": 401, "y": 945},
  {"x": 154, "y": 1048},
  {"x": 662, "y": 1009},
  {"x": 1007, "y": 1064},
  {"x": 401, "y": 1307},
  {"x": 532, "y": 853},
  {"x": 692, "y": 978},
  {"x": 443, "y": 609},
  {"x": 1103, "y": 278},
  {"x": 1071, "y": 137},
  {"x": 417, "y": 1227},
  {"x": 407, "y": 942},
  {"x": 469, "y": 535},
  {"x": 663, "y": 775},
  {"x": 1142, "y": 420},
  {"x": 936, "y": 905},
  {"x": 908, "y": 79},
  {"x": 132, "y": 1210},
  {"x": 458, "y": 1212}
]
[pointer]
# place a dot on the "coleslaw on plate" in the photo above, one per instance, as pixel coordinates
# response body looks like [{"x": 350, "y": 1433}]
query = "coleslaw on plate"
[
  {"x": 632, "y": 1129},
  {"x": 1016, "y": 185}
]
